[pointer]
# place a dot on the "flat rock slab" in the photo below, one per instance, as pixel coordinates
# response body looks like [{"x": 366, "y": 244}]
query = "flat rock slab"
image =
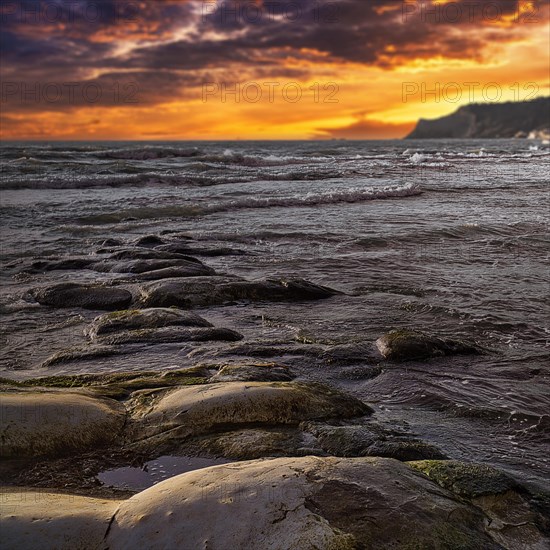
[
  {"x": 80, "y": 353},
  {"x": 253, "y": 372},
  {"x": 195, "y": 410},
  {"x": 47, "y": 423},
  {"x": 149, "y": 254},
  {"x": 408, "y": 345},
  {"x": 370, "y": 440},
  {"x": 99, "y": 297},
  {"x": 43, "y": 520},
  {"x": 172, "y": 272},
  {"x": 212, "y": 291},
  {"x": 184, "y": 248},
  {"x": 299, "y": 504},
  {"x": 115, "y": 385},
  {"x": 135, "y": 319},
  {"x": 188, "y": 268},
  {"x": 165, "y": 335}
]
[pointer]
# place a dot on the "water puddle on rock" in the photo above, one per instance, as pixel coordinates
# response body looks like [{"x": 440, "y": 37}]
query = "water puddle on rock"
[{"x": 154, "y": 471}]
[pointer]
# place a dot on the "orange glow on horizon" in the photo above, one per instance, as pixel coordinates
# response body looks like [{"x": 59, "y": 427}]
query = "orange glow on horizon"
[{"x": 349, "y": 97}]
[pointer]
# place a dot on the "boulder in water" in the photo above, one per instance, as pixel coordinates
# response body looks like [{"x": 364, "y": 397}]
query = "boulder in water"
[
  {"x": 185, "y": 267},
  {"x": 173, "y": 272},
  {"x": 65, "y": 295},
  {"x": 184, "y": 248},
  {"x": 370, "y": 440},
  {"x": 148, "y": 240},
  {"x": 219, "y": 290},
  {"x": 408, "y": 345},
  {"x": 136, "y": 319}
]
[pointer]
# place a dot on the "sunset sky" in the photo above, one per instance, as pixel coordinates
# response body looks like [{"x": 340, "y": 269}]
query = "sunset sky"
[{"x": 166, "y": 69}]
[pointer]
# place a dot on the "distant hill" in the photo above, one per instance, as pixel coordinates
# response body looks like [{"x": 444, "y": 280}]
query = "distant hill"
[{"x": 490, "y": 120}]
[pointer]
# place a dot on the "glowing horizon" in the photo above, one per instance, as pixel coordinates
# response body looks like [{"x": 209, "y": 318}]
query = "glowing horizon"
[{"x": 144, "y": 70}]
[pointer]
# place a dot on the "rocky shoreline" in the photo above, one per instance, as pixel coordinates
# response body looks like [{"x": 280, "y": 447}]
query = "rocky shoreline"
[{"x": 303, "y": 465}]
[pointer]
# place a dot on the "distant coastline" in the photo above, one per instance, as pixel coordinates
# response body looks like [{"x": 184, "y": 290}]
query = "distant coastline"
[{"x": 521, "y": 119}]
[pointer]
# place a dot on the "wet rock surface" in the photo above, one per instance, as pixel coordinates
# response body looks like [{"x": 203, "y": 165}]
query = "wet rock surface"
[
  {"x": 80, "y": 353},
  {"x": 183, "y": 267},
  {"x": 212, "y": 291},
  {"x": 325, "y": 470},
  {"x": 99, "y": 297},
  {"x": 164, "y": 335},
  {"x": 408, "y": 345},
  {"x": 370, "y": 440},
  {"x": 137, "y": 319}
]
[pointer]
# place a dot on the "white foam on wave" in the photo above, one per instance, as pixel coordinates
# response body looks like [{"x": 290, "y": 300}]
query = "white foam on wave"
[
  {"x": 419, "y": 158},
  {"x": 350, "y": 195},
  {"x": 333, "y": 196}
]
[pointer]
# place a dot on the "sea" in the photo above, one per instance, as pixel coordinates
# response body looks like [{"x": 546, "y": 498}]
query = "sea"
[{"x": 447, "y": 237}]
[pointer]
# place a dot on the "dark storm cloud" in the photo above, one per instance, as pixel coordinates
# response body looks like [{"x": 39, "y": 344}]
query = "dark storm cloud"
[{"x": 170, "y": 46}]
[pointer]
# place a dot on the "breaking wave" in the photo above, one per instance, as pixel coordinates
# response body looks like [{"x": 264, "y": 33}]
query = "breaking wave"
[{"x": 353, "y": 195}]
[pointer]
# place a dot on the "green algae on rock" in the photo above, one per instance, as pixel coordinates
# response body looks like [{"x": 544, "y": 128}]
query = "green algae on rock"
[
  {"x": 464, "y": 479},
  {"x": 514, "y": 519},
  {"x": 122, "y": 383},
  {"x": 176, "y": 334},
  {"x": 253, "y": 372},
  {"x": 133, "y": 319},
  {"x": 185, "y": 412}
]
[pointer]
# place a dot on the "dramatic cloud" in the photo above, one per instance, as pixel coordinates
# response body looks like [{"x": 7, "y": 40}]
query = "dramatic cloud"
[{"x": 61, "y": 56}]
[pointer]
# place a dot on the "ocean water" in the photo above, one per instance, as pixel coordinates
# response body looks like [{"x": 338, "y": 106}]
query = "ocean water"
[{"x": 450, "y": 237}]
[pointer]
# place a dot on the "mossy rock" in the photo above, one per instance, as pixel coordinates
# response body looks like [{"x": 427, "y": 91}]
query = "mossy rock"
[
  {"x": 253, "y": 372},
  {"x": 179, "y": 414},
  {"x": 464, "y": 479},
  {"x": 177, "y": 334},
  {"x": 81, "y": 353},
  {"x": 119, "y": 384}
]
